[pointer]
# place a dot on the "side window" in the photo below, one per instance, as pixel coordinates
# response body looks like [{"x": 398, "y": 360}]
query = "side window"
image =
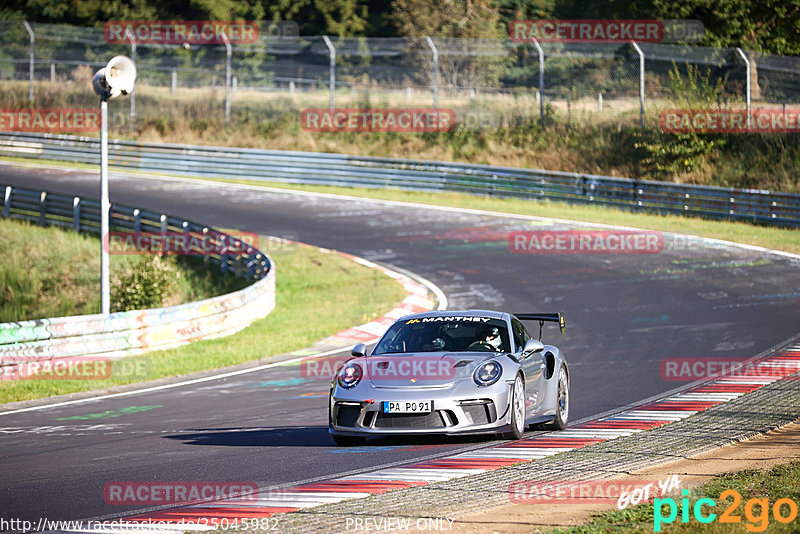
[
  {"x": 525, "y": 333},
  {"x": 519, "y": 334}
]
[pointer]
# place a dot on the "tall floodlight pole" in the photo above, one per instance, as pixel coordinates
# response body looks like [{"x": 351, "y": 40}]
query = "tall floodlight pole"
[
  {"x": 105, "y": 205},
  {"x": 117, "y": 78}
]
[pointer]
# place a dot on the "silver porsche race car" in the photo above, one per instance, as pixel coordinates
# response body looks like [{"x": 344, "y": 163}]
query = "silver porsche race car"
[{"x": 452, "y": 372}]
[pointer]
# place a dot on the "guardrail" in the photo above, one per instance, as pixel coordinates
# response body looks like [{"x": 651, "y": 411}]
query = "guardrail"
[
  {"x": 133, "y": 332},
  {"x": 752, "y": 205}
]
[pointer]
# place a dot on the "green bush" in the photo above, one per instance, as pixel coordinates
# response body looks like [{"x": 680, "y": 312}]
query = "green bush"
[
  {"x": 671, "y": 154},
  {"x": 147, "y": 284}
]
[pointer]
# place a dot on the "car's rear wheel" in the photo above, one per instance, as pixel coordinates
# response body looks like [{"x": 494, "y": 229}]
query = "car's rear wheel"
[
  {"x": 517, "y": 408},
  {"x": 562, "y": 402},
  {"x": 348, "y": 441}
]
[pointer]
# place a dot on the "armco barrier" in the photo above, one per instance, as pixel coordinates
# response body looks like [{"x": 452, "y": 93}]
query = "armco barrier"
[
  {"x": 753, "y": 205},
  {"x": 133, "y": 332}
]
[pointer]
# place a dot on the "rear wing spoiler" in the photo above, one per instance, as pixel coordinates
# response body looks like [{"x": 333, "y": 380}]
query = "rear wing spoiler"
[{"x": 542, "y": 318}]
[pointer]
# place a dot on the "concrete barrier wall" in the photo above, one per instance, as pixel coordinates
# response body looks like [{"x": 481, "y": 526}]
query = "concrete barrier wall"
[{"x": 138, "y": 331}]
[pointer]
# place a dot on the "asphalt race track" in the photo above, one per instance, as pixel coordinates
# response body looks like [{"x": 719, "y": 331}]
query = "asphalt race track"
[{"x": 625, "y": 314}]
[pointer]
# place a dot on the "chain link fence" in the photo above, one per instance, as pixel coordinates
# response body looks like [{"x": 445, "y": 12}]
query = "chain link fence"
[{"x": 488, "y": 82}]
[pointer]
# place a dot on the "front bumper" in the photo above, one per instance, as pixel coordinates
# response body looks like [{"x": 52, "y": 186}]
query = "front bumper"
[{"x": 462, "y": 409}]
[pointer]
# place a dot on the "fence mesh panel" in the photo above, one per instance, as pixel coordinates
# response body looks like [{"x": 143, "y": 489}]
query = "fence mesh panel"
[{"x": 487, "y": 81}]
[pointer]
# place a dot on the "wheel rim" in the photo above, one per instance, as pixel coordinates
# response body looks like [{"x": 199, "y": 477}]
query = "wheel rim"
[
  {"x": 519, "y": 404},
  {"x": 563, "y": 395}
]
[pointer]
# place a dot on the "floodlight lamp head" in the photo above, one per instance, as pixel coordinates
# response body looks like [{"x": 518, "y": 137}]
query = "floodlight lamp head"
[{"x": 117, "y": 78}]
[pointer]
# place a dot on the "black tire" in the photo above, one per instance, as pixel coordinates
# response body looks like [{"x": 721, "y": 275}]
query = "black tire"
[
  {"x": 559, "y": 422},
  {"x": 347, "y": 441},
  {"x": 517, "y": 407}
]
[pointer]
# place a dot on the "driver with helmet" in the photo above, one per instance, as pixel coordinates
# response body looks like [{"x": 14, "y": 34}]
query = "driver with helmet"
[{"x": 487, "y": 338}]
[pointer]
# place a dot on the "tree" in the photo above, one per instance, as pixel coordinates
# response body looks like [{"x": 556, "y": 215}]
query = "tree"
[
  {"x": 342, "y": 18},
  {"x": 97, "y": 12},
  {"x": 462, "y": 63},
  {"x": 447, "y": 18},
  {"x": 759, "y": 26}
]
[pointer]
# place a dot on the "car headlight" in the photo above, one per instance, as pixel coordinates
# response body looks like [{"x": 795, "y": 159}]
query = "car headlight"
[
  {"x": 487, "y": 373},
  {"x": 350, "y": 375}
]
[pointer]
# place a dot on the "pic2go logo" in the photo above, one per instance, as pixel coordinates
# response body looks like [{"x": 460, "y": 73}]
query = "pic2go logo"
[{"x": 756, "y": 511}]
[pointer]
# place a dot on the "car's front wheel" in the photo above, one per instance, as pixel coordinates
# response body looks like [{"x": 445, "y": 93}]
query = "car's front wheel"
[{"x": 517, "y": 408}]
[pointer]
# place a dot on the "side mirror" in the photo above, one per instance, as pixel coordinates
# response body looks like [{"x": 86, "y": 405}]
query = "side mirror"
[
  {"x": 532, "y": 346},
  {"x": 360, "y": 350}
]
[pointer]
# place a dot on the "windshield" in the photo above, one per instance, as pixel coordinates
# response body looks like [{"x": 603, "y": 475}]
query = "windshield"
[{"x": 445, "y": 334}]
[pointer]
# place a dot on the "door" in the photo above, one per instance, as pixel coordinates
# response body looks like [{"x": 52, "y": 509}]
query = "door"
[{"x": 534, "y": 367}]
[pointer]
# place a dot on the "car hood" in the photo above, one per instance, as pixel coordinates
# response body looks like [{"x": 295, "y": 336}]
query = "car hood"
[{"x": 426, "y": 369}]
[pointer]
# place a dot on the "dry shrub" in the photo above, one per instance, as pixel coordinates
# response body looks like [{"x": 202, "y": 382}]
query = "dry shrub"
[{"x": 82, "y": 74}]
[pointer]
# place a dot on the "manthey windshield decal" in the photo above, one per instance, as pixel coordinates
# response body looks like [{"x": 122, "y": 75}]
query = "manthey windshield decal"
[{"x": 449, "y": 319}]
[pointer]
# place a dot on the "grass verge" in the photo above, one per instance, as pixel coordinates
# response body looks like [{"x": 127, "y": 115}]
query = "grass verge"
[
  {"x": 781, "y": 482},
  {"x": 318, "y": 294},
  {"x": 52, "y": 272}
]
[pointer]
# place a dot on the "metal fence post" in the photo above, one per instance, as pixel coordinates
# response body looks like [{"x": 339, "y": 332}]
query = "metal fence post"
[
  {"x": 227, "y": 77},
  {"x": 206, "y": 257},
  {"x": 43, "y": 209},
  {"x": 641, "y": 82},
  {"x": 332, "y": 77},
  {"x": 174, "y": 82},
  {"x": 435, "y": 72},
  {"x": 540, "y": 93},
  {"x": 76, "y": 214},
  {"x": 747, "y": 81},
  {"x": 7, "y": 202},
  {"x": 129, "y": 35},
  {"x": 30, "y": 63}
]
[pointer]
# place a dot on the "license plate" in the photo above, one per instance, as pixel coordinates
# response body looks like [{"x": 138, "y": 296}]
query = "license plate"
[{"x": 407, "y": 406}]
